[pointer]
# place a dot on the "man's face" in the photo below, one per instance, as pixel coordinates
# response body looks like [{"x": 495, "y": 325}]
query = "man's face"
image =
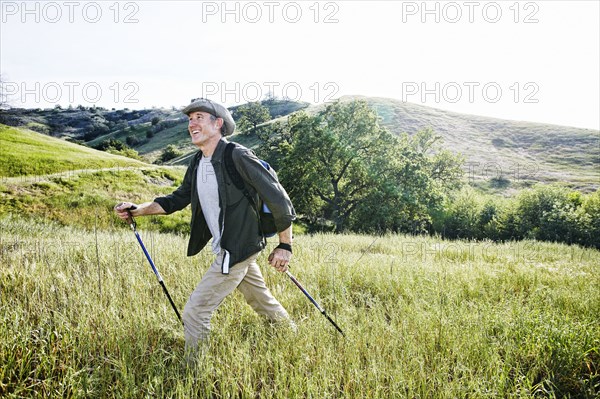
[{"x": 203, "y": 128}]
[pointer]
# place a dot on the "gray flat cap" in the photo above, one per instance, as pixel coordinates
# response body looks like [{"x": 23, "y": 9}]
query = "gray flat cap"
[{"x": 215, "y": 109}]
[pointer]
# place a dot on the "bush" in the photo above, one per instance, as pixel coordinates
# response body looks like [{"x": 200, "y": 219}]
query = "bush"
[
  {"x": 544, "y": 212},
  {"x": 589, "y": 216},
  {"x": 132, "y": 140},
  {"x": 169, "y": 153},
  {"x": 461, "y": 218},
  {"x": 96, "y": 130},
  {"x": 548, "y": 213},
  {"x": 113, "y": 144}
]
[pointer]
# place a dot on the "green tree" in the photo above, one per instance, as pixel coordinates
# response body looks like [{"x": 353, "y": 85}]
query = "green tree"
[
  {"x": 335, "y": 160},
  {"x": 252, "y": 115},
  {"x": 342, "y": 168},
  {"x": 114, "y": 144},
  {"x": 411, "y": 188}
]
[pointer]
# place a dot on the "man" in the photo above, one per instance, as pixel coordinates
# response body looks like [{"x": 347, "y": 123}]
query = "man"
[{"x": 221, "y": 211}]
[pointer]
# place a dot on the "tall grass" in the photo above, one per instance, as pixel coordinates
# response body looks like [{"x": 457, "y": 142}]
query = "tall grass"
[{"x": 81, "y": 315}]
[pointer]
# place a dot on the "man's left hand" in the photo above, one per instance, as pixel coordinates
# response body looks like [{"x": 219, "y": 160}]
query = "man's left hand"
[{"x": 280, "y": 259}]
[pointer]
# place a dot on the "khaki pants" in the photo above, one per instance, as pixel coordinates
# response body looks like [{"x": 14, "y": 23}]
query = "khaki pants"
[{"x": 215, "y": 286}]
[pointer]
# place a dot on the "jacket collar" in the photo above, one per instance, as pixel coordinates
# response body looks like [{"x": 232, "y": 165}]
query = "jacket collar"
[{"x": 219, "y": 151}]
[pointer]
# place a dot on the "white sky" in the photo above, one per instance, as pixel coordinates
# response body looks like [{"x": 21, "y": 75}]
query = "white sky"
[{"x": 539, "y": 60}]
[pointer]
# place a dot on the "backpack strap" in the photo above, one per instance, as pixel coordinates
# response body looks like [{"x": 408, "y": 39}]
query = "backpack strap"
[
  {"x": 233, "y": 173},
  {"x": 238, "y": 181}
]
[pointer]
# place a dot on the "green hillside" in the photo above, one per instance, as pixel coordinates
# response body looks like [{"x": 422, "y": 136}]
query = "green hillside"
[
  {"x": 86, "y": 198},
  {"x": 514, "y": 153},
  {"x": 24, "y": 152},
  {"x": 49, "y": 178},
  {"x": 502, "y": 156}
]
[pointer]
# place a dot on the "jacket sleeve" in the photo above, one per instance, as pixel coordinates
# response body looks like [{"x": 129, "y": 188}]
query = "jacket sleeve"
[
  {"x": 266, "y": 185},
  {"x": 181, "y": 197}
]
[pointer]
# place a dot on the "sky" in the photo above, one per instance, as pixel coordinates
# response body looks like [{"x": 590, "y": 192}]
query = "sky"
[{"x": 521, "y": 60}]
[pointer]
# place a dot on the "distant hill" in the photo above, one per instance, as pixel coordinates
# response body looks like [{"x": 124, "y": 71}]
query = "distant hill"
[
  {"x": 24, "y": 152},
  {"x": 82, "y": 123},
  {"x": 500, "y": 155},
  {"x": 147, "y": 131}
]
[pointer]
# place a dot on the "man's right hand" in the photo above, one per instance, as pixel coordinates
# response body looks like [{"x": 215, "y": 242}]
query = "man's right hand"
[{"x": 122, "y": 208}]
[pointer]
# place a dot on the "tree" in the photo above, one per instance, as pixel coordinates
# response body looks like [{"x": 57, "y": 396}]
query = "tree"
[
  {"x": 413, "y": 180},
  {"x": 155, "y": 121},
  {"x": 335, "y": 160},
  {"x": 270, "y": 97},
  {"x": 341, "y": 166},
  {"x": 252, "y": 115},
  {"x": 113, "y": 144}
]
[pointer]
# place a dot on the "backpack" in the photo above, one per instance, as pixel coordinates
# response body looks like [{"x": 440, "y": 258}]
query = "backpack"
[{"x": 266, "y": 221}]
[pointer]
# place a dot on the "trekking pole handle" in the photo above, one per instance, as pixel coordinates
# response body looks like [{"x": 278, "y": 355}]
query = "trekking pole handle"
[{"x": 131, "y": 220}]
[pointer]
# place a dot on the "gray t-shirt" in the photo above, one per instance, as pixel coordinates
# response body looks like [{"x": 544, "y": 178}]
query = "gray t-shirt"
[{"x": 208, "y": 193}]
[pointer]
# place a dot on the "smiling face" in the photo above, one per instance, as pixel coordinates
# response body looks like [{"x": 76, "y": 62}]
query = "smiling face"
[{"x": 204, "y": 128}]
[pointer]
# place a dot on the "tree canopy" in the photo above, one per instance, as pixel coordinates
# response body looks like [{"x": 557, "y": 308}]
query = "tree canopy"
[
  {"x": 252, "y": 115},
  {"x": 340, "y": 166}
]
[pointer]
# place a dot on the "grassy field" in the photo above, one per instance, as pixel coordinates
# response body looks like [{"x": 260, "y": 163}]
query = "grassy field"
[
  {"x": 47, "y": 178},
  {"x": 85, "y": 198},
  {"x": 27, "y": 153},
  {"x": 83, "y": 316}
]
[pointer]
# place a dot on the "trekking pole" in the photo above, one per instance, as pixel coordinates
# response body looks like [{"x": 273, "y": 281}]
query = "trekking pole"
[
  {"x": 291, "y": 276},
  {"x": 133, "y": 226}
]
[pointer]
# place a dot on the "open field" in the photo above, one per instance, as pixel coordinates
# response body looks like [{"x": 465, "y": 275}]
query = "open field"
[{"x": 83, "y": 316}]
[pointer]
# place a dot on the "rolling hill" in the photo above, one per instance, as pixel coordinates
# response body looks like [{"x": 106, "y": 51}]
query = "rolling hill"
[
  {"x": 24, "y": 152},
  {"x": 501, "y": 156},
  {"x": 49, "y": 178},
  {"x": 499, "y": 150}
]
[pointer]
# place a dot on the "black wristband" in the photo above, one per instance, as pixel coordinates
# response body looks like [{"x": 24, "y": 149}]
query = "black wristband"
[{"x": 287, "y": 247}]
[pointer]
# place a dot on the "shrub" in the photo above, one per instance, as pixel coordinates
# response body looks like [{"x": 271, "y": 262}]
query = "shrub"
[
  {"x": 110, "y": 144},
  {"x": 132, "y": 140},
  {"x": 548, "y": 212},
  {"x": 462, "y": 215},
  {"x": 126, "y": 152},
  {"x": 170, "y": 152}
]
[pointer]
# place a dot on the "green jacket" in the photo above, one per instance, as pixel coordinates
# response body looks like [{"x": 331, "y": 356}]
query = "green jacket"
[{"x": 237, "y": 218}]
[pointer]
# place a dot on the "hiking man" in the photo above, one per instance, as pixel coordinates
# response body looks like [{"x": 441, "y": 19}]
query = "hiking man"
[{"x": 222, "y": 212}]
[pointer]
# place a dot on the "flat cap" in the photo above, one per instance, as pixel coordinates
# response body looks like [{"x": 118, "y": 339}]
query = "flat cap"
[{"x": 215, "y": 109}]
